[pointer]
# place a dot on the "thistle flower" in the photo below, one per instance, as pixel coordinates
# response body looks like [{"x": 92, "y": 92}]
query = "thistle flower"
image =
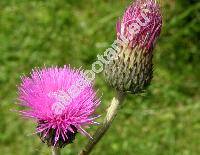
[
  {"x": 137, "y": 33},
  {"x": 141, "y": 24},
  {"x": 61, "y": 101}
]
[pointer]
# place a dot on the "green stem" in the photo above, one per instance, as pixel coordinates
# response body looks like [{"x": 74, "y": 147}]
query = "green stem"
[
  {"x": 111, "y": 114},
  {"x": 55, "y": 150}
]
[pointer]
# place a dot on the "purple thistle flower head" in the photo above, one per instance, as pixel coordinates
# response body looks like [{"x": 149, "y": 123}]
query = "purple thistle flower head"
[
  {"x": 61, "y": 101},
  {"x": 141, "y": 24}
]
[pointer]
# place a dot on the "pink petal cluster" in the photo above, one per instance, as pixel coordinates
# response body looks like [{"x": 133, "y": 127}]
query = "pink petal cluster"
[
  {"x": 35, "y": 92},
  {"x": 144, "y": 18}
]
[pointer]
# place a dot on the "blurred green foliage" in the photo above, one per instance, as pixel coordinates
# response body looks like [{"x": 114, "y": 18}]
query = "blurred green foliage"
[{"x": 163, "y": 121}]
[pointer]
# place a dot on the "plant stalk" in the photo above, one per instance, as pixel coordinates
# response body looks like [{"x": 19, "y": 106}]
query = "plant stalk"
[
  {"x": 111, "y": 114},
  {"x": 55, "y": 150}
]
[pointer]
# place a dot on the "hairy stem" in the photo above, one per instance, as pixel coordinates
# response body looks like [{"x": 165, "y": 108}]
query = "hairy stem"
[
  {"x": 111, "y": 114},
  {"x": 55, "y": 150}
]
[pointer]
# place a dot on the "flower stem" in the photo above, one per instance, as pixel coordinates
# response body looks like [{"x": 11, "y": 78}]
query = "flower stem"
[
  {"x": 111, "y": 114},
  {"x": 55, "y": 150}
]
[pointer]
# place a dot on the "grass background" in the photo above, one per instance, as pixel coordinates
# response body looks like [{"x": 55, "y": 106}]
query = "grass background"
[{"x": 163, "y": 121}]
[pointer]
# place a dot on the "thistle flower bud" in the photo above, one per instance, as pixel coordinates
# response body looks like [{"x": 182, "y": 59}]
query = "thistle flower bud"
[{"x": 137, "y": 33}]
